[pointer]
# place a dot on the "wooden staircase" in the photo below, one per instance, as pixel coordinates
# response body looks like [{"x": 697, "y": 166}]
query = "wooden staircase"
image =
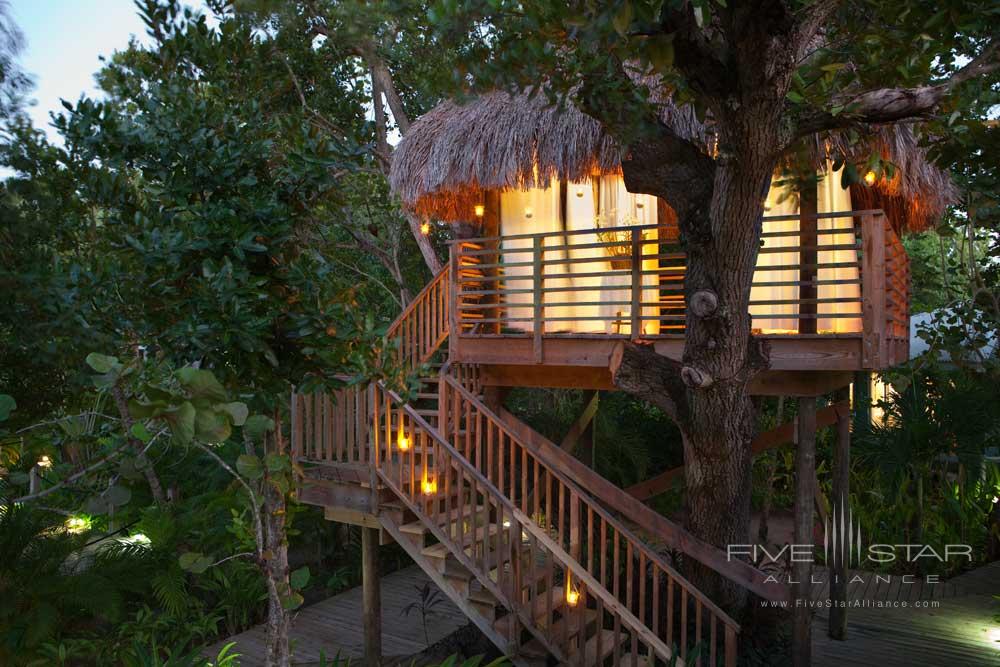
[{"x": 535, "y": 560}]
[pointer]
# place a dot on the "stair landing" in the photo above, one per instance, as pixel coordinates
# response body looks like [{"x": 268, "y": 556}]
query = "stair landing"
[{"x": 332, "y": 626}]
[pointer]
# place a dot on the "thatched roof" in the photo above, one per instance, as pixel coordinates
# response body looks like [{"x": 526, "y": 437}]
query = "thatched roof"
[{"x": 501, "y": 141}]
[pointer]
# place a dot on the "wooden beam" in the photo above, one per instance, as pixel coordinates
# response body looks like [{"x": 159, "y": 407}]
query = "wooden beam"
[
  {"x": 805, "y": 479},
  {"x": 776, "y": 437},
  {"x": 807, "y": 257},
  {"x": 579, "y": 426},
  {"x": 372, "y": 611},
  {"x": 837, "y": 628}
]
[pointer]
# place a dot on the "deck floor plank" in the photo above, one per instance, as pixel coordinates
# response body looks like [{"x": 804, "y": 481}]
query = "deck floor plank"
[{"x": 333, "y": 625}]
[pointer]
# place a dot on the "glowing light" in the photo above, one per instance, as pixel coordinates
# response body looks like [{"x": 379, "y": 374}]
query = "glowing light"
[
  {"x": 44, "y": 462},
  {"x": 995, "y": 499},
  {"x": 870, "y": 178},
  {"x": 528, "y": 213},
  {"x": 429, "y": 486},
  {"x": 425, "y": 228},
  {"x": 572, "y": 595},
  {"x": 401, "y": 440},
  {"x": 77, "y": 524},
  {"x": 138, "y": 539},
  {"x": 480, "y": 210},
  {"x": 506, "y": 523}
]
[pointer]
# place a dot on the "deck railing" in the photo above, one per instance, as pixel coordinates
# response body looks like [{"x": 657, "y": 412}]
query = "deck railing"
[
  {"x": 423, "y": 325},
  {"x": 629, "y": 282}
]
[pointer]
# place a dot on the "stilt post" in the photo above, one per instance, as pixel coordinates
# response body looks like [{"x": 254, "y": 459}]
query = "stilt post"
[
  {"x": 805, "y": 479},
  {"x": 372, "y": 597},
  {"x": 841, "y": 492}
]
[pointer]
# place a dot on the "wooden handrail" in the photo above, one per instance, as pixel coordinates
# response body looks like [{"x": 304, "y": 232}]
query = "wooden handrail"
[
  {"x": 424, "y": 324},
  {"x": 652, "y": 522},
  {"x": 519, "y": 523},
  {"x": 635, "y": 549}
]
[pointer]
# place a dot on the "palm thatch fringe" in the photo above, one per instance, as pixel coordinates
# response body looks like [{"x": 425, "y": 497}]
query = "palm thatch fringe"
[{"x": 499, "y": 141}]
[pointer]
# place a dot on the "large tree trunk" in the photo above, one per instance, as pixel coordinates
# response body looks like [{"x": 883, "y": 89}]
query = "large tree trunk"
[{"x": 707, "y": 393}]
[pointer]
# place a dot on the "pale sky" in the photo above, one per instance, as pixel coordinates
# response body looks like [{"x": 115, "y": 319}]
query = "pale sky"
[{"x": 63, "y": 41}]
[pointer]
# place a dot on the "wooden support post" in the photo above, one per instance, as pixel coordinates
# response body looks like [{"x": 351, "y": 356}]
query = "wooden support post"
[
  {"x": 372, "y": 613},
  {"x": 872, "y": 290},
  {"x": 539, "y": 284},
  {"x": 808, "y": 258},
  {"x": 635, "y": 328},
  {"x": 805, "y": 478},
  {"x": 841, "y": 492}
]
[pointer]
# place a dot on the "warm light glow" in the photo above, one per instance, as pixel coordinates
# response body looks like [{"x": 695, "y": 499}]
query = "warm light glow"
[
  {"x": 425, "y": 228},
  {"x": 870, "y": 178},
  {"x": 506, "y": 522},
  {"x": 528, "y": 212},
  {"x": 572, "y": 595},
  {"x": 429, "y": 486},
  {"x": 44, "y": 462},
  {"x": 401, "y": 440},
  {"x": 480, "y": 210},
  {"x": 77, "y": 524}
]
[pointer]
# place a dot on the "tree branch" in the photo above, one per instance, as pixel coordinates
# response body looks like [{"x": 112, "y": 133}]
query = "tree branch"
[
  {"x": 889, "y": 105},
  {"x": 643, "y": 372}
]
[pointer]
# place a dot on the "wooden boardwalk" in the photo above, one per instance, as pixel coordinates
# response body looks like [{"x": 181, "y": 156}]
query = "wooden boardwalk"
[
  {"x": 334, "y": 625},
  {"x": 959, "y": 630}
]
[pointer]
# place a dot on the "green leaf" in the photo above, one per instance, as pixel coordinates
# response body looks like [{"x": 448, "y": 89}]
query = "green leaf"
[
  {"x": 299, "y": 579},
  {"x": 292, "y": 601},
  {"x": 7, "y": 405},
  {"x": 212, "y": 426},
  {"x": 250, "y": 466},
  {"x": 256, "y": 426},
  {"x": 181, "y": 420},
  {"x": 623, "y": 18},
  {"x": 238, "y": 411},
  {"x": 118, "y": 496},
  {"x": 277, "y": 463},
  {"x": 201, "y": 384},
  {"x": 194, "y": 561},
  {"x": 140, "y": 432},
  {"x": 101, "y": 362},
  {"x": 795, "y": 97}
]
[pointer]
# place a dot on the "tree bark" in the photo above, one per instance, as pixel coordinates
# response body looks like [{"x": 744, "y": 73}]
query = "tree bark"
[
  {"x": 144, "y": 464},
  {"x": 276, "y": 570}
]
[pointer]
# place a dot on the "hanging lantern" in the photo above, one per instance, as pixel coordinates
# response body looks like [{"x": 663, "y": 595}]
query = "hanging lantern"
[
  {"x": 579, "y": 191},
  {"x": 429, "y": 486},
  {"x": 425, "y": 228},
  {"x": 572, "y": 595},
  {"x": 480, "y": 210},
  {"x": 401, "y": 440},
  {"x": 870, "y": 177},
  {"x": 528, "y": 213}
]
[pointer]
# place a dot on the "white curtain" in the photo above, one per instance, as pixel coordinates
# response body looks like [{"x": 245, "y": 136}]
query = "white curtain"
[
  {"x": 621, "y": 208},
  {"x": 581, "y": 214},
  {"x": 830, "y": 198},
  {"x": 534, "y": 211},
  {"x": 768, "y": 318},
  {"x": 833, "y": 198}
]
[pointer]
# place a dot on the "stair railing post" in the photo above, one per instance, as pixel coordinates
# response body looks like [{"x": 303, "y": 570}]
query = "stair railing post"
[
  {"x": 538, "y": 284},
  {"x": 636, "y": 315},
  {"x": 872, "y": 289}
]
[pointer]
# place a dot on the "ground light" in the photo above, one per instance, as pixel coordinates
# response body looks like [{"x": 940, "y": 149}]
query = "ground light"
[{"x": 401, "y": 440}]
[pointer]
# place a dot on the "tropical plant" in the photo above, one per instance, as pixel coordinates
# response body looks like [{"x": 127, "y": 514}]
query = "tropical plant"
[{"x": 428, "y": 600}]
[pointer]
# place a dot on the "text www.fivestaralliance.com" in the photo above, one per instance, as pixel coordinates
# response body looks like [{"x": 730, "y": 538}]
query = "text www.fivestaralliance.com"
[{"x": 854, "y": 604}]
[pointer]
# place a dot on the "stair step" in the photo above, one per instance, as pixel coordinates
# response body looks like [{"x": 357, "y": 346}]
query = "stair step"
[
  {"x": 420, "y": 528},
  {"x": 572, "y": 623},
  {"x": 441, "y": 551},
  {"x": 539, "y": 608},
  {"x": 607, "y": 641}
]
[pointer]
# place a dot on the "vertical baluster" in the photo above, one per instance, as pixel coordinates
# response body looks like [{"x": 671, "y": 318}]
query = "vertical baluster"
[
  {"x": 684, "y": 622},
  {"x": 629, "y": 597},
  {"x": 697, "y": 630},
  {"x": 524, "y": 480},
  {"x": 712, "y": 641},
  {"x": 656, "y": 600},
  {"x": 670, "y": 612},
  {"x": 489, "y": 452},
  {"x": 642, "y": 587},
  {"x": 512, "y": 471},
  {"x": 730, "y": 646}
]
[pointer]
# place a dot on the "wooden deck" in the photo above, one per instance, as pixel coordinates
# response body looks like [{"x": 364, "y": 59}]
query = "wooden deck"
[
  {"x": 959, "y": 631},
  {"x": 334, "y": 625}
]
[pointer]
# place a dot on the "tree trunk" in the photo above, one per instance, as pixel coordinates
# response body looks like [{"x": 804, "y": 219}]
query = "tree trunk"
[
  {"x": 279, "y": 619},
  {"x": 709, "y": 395}
]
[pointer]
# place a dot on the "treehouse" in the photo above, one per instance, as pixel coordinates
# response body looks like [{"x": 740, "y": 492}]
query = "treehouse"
[
  {"x": 555, "y": 263},
  {"x": 557, "y": 260}
]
